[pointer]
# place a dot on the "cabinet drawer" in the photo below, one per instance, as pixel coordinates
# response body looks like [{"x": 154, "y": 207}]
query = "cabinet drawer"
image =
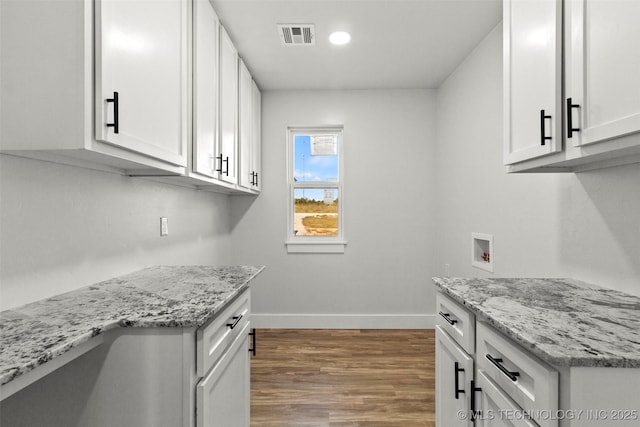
[
  {"x": 531, "y": 383},
  {"x": 457, "y": 321},
  {"x": 496, "y": 408},
  {"x": 223, "y": 396},
  {"x": 214, "y": 338}
]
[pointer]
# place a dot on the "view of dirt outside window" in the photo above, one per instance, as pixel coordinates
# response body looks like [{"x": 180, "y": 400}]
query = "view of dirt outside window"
[{"x": 316, "y": 217}]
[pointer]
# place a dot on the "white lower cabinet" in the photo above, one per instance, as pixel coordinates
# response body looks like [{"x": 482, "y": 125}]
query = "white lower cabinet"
[
  {"x": 223, "y": 368},
  {"x": 454, "y": 373},
  {"x": 496, "y": 409},
  {"x": 506, "y": 385},
  {"x": 529, "y": 382},
  {"x": 223, "y": 396},
  {"x": 531, "y": 385},
  {"x": 455, "y": 346},
  {"x": 148, "y": 377}
]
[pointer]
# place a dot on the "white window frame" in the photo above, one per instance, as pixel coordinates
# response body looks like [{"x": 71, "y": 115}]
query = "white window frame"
[{"x": 314, "y": 244}]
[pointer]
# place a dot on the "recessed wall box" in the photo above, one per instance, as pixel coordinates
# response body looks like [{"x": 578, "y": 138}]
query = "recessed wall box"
[{"x": 482, "y": 251}]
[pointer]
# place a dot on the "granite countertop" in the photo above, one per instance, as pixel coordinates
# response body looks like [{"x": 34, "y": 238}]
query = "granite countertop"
[
  {"x": 562, "y": 321},
  {"x": 164, "y": 296}
]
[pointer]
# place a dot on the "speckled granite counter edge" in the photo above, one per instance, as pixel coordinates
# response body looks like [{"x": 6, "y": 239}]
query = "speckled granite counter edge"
[
  {"x": 559, "y": 360},
  {"x": 200, "y": 318},
  {"x": 482, "y": 316}
]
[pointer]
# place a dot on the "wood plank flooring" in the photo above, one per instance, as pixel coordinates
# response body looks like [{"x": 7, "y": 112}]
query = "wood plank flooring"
[{"x": 340, "y": 378}]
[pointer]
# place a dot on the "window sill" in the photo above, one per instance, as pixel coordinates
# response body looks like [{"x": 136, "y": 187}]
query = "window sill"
[{"x": 333, "y": 247}]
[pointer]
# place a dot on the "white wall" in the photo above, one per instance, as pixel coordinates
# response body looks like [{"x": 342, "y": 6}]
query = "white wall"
[
  {"x": 64, "y": 227},
  {"x": 585, "y": 226},
  {"x": 407, "y": 214},
  {"x": 383, "y": 278}
]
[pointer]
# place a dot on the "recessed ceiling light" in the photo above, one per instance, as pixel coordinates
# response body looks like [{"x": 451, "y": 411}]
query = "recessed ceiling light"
[{"x": 340, "y": 37}]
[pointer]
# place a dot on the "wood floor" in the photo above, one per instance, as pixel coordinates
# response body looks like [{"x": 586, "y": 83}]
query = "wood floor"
[{"x": 340, "y": 378}]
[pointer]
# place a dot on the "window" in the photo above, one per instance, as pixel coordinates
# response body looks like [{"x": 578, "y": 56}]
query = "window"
[{"x": 315, "y": 202}]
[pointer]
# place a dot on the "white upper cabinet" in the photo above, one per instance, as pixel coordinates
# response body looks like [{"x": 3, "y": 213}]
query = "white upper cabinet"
[
  {"x": 228, "y": 124},
  {"x": 141, "y": 76},
  {"x": 205, "y": 88},
  {"x": 141, "y": 87},
  {"x": 256, "y": 136},
  {"x": 249, "y": 129},
  {"x": 532, "y": 78},
  {"x": 97, "y": 84},
  {"x": 222, "y": 125},
  {"x": 591, "y": 118},
  {"x": 244, "y": 135},
  {"x": 603, "y": 76}
]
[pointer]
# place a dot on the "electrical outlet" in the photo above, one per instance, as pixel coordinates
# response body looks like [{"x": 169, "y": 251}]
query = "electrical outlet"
[
  {"x": 447, "y": 270},
  {"x": 164, "y": 226}
]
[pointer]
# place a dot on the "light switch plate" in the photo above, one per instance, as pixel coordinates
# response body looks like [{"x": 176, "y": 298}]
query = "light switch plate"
[{"x": 164, "y": 226}]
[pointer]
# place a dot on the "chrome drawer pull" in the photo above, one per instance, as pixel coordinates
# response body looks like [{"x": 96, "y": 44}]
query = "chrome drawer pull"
[
  {"x": 448, "y": 319},
  {"x": 497, "y": 362},
  {"x": 236, "y": 320}
]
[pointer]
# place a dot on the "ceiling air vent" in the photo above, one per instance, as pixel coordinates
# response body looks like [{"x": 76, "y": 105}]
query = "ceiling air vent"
[{"x": 297, "y": 34}]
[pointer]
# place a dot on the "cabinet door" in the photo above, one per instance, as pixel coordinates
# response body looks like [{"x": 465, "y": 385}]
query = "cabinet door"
[
  {"x": 141, "y": 76},
  {"x": 245, "y": 124},
  {"x": 532, "y": 78},
  {"x": 223, "y": 398},
  {"x": 605, "y": 65},
  {"x": 454, "y": 372},
  {"x": 205, "y": 88},
  {"x": 256, "y": 136},
  {"x": 228, "y": 108},
  {"x": 496, "y": 408}
]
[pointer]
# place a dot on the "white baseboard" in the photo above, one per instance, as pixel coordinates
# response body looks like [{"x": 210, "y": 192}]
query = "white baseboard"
[{"x": 342, "y": 321}]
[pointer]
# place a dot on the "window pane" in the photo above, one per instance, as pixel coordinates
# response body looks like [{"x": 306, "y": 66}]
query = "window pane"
[
  {"x": 315, "y": 158},
  {"x": 315, "y": 212}
]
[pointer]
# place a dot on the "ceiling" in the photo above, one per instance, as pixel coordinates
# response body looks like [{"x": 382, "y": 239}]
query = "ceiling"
[{"x": 395, "y": 44}]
